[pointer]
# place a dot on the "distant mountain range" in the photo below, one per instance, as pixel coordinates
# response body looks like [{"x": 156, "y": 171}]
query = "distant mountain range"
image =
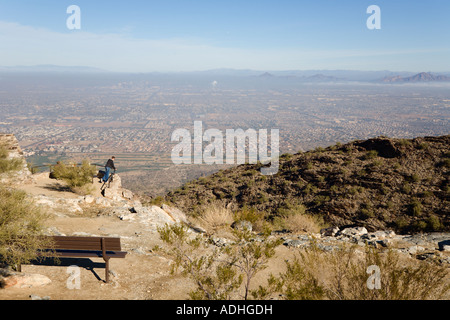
[
  {"x": 420, "y": 77},
  {"x": 322, "y": 76}
]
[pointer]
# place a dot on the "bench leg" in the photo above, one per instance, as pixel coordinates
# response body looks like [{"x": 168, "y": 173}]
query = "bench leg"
[{"x": 107, "y": 270}]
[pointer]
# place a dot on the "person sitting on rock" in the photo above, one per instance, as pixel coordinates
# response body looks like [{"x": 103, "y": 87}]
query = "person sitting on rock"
[{"x": 108, "y": 167}]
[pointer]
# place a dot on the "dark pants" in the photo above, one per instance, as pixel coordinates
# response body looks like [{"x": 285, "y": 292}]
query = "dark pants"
[{"x": 107, "y": 173}]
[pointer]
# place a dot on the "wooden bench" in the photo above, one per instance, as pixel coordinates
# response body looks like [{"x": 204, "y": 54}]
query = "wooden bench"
[{"x": 87, "y": 247}]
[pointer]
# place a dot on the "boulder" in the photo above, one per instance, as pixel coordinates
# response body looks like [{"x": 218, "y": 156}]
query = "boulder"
[
  {"x": 25, "y": 280},
  {"x": 175, "y": 213},
  {"x": 352, "y": 232}
]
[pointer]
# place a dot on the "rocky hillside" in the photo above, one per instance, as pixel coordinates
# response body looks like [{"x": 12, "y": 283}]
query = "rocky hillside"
[{"x": 380, "y": 183}]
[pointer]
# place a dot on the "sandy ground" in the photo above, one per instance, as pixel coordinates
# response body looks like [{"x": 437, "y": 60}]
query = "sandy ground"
[{"x": 143, "y": 275}]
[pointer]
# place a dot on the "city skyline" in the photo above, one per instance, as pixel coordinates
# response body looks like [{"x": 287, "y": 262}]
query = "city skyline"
[{"x": 203, "y": 35}]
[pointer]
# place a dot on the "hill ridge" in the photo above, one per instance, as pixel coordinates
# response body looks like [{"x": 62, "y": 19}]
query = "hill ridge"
[{"x": 379, "y": 183}]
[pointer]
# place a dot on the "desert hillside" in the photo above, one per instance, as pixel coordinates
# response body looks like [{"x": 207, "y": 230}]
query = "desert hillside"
[{"x": 380, "y": 183}]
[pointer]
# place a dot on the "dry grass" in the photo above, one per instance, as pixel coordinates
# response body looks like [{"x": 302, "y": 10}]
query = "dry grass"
[
  {"x": 299, "y": 223},
  {"x": 215, "y": 216}
]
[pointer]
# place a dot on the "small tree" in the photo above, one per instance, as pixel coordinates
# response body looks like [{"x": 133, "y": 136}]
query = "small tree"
[{"x": 218, "y": 275}]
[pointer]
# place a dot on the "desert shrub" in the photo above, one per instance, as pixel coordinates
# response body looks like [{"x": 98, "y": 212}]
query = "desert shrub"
[
  {"x": 224, "y": 274},
  {"x": 401, "y": 223},
  {"x": 75, "y": 176},
  {"x": 416, "y": 208},
  {"x": 7, "y": 165},
  {"x": 399, "y": 279},
  {"x": 434, "y": 223},
  {"x": 252, "y": 215},
  {"x": 293, "y": 217},
  {"x": 21, "y": 227},
  {"x": 406, "y": 188},
  {"x": 404, "y": 142},
  {"x": 215, "y": 216},
  {"x": 414, "y": 178},
  {"x": 372, "y": 154},
  {"x": 445, "y": 163},
  {"x": 346, "y": 274},
  {"x": 423, "y": 146}
]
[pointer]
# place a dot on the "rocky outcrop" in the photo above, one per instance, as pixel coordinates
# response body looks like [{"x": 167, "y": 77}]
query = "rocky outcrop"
[
  {"x": 21, "y": 176},
  {"x": 150, "y": 217},
  {"x": 113, "y": 190}
]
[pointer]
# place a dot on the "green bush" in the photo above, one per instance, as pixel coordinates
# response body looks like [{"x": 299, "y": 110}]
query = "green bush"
[
  {"x": 372, "y": 154},
  {"x": 416, "y": 208},
  {"x": 74, "y": 175}
]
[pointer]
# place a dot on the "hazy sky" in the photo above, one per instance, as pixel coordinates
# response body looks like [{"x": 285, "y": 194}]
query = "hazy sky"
[{"x": 186, "y": 35}]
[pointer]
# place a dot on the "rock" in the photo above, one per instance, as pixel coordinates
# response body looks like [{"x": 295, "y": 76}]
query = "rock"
[
  {"x": 127, "y": 217},
  {"x": 25, "y": 280},
  {"x": 242, "y": 225},
  {"x": 220, "y": 242},
  {"x": 102, "y": 202},
  {"x": 380, "y": 235},
  {"x": 154, "y": 216},
  {"x": 415, "y": 249},
  {"x": 59, "y": 204},
  {"x": 295, "y": 243},
  {"x": 175, "y": 213},
  {"x": 384, "y": 243},
  {"x": 329, "y": 232},
  {"x": 21, "y": 176},
  {"x": 198, "y": 229},
  {"x": 352, "y": 232},
  {"x": 127, "y": 194},
  {"x": 444, "y": 245},
  {"x": 89, "y": 199}
]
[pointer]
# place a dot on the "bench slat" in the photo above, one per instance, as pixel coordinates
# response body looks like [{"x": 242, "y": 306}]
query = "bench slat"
[
  {"x": 89, "y": 254},
  {"x": 85, "y": 243}
]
